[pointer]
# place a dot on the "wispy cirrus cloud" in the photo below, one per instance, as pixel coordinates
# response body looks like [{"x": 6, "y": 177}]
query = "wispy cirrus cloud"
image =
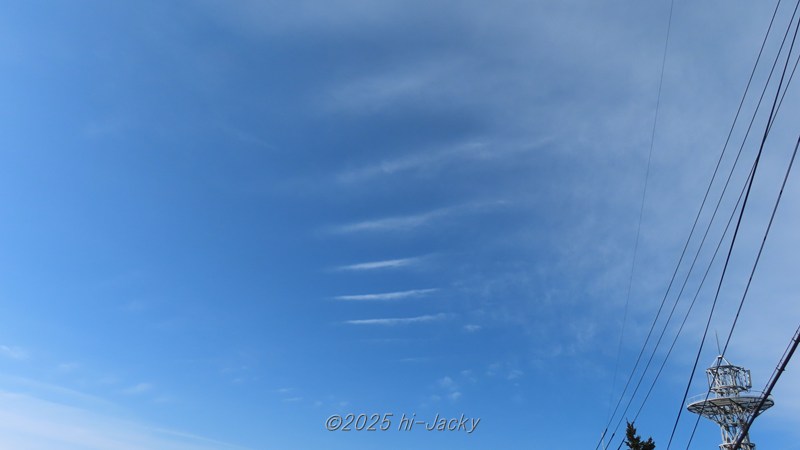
[
  {"x": 289, "y": 395},
  {"x": 68, "y": 367},
  {"x": 412, "y": 221},
  {"x": 37, "y": 424},
  {"x": 137, "y": 389},
  {"x": 450, "y": 387},
  {"x": 399, "y": 295},
  {"x": 395, "y": 85},
  {"x": 396, "y": 223},
  {"x": 377, "y": 265},
  {"x": 304, "y": 16},
  {"x": 414, "y": 359},
  {"x": 415, "y": 161},
  {"x": 246, "y": 137},
  {"x": 13, "y": 352},
  {"x": 463, "y": 152},
  {"x": 399, "y": 320}
]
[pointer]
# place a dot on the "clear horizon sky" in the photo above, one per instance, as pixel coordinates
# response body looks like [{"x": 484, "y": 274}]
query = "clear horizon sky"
[{"x": 223, "y": 222}]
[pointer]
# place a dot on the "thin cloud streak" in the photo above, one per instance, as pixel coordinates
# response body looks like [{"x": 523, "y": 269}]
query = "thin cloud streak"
[
  {"x": 387, "y": 295},
  {"x": 385, "y": 264},
  {"x": 33, "y": 423},
  {"x": 415, "y": 161},
  {"x": 409, "y": 222},
  {"x": 13, "y": 352},
  {"x": 399, "y": 223},
  {"x": 395, "y": 85},
  {"x": 399, "y": 321},
  {"x": 475, "y": 151},
  {"x": 137, "y": 389}
]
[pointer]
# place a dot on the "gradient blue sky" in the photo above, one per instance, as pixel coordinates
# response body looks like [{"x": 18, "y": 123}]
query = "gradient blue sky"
[{"x": 222, "y": 222}]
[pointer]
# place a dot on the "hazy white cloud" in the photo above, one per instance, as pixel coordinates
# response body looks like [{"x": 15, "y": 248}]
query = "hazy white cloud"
[
  {"x": 389, "y": 87},
  {"x": 387, "y": 295},
  {"x": 164, "y": 399},
  {"x": 246, "y": 137},
  {"x": 469, "y": 151},
  {"x": 469, "y": 376},
  {"x": 31, "y": 423},
  {"x": 304, "y": 16},
  {"x": 13, "y": 352},
  {"x": 399, "y": 321},
  {"x": 68, "y": 367},
  {"x": 514, "y": 374},
  {"x": 447, "y": 383},
  {"x": 498, "y": 370},
  {"x": 450, "y": 387},
  {"x": 550, "y": 101},
  {"x": 414, "y": 360},
  {"x": 135, "y": 306},
  {"x": 475, "y": 150},
  {"x": 137, "y": 389}
]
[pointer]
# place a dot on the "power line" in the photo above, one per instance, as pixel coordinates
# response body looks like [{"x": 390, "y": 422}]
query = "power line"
[
  {"x": 735, "y": 233},
  {"x": 691, "y": 234},
  {"x": 644, "y": 197},
  {"x": 770, "y": 122},
  {"x": 641, "y": 214},
  {"x": 712, "y": 219},
  {"x": 691, "y": 305},
  {"x": 787, "y": 355},
  {"x": 753, "y": 270},
  {"x": 772, "y": 217}
]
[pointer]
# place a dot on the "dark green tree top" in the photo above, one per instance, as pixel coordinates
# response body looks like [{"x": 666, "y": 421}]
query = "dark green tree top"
[{"x": 634, "y": 442}]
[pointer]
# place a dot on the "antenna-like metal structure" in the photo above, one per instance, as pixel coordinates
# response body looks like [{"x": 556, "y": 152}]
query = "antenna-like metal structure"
[{"x": 730, "y": 402}]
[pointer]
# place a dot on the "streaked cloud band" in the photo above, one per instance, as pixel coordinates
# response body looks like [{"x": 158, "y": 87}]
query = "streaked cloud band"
[
  {"x": 376, "y": 265},
  {"x": 399, "y": 320},
  {"x": 387, "y": 295}
]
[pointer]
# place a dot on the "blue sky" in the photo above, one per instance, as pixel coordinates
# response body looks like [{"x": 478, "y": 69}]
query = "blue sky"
[{"x": 223, "y": 222}]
